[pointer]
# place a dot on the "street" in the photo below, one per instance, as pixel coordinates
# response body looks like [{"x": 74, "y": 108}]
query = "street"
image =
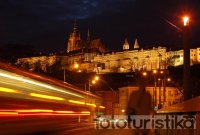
[{"x": 53, "y": 126}]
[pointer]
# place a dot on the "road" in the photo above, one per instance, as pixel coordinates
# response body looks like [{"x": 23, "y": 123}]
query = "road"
[{"x": 53, "y": 126}]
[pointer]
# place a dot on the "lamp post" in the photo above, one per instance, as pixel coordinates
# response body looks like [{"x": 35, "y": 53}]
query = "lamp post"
[
  {"x": 154, "y": 91},
  {"x": 186, "y": 68},
  {"x": 90, "y": 83},
  {"x": 114, "y": 93},
  {"x": 162, "y": 85}
]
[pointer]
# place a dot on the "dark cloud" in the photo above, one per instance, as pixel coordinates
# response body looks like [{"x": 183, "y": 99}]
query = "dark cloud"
[{"x": 46, "y": 24}]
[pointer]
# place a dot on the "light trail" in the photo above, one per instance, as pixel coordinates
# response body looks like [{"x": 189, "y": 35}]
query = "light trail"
[
  {"x": 8, "y": 90},
  {"x": 27, "y": 80},
  {"x": 39, "y": 112},
  {"x": 45, "y": 96}
]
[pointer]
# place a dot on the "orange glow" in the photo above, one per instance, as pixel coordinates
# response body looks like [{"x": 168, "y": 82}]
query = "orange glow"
[
  {"x": 82, "y": 103},
  {"x": 102, "y": 107},
  {"x": 144, "y": 73},
  {"x": 87, "y": 112},
  {"x": 2, "y": 89},
  {"x": 154, "y": 71},
  {"x": 168, "y": 79},
  {"x": 76, "y": 102},
  {"x": 34, "y": 110},
  {"x": 91, "y": 104},
  {"x": 64, "y": 111},
  {"x": 185, "y": 20},
  {"x": 45, "y": 96},
  {"x": 93, "y": 81},
  {"x": 76, "y": 65},
  {"x": 96, "y": 78},
  {"x": 8, "y": 113}
]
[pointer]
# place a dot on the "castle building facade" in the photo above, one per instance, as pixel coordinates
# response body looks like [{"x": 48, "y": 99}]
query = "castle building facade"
[
  {"x": 91, "y": 56},
  {"x": 131, "y": 60}
]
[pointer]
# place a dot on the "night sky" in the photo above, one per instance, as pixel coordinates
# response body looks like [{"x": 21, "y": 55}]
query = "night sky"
[{"x": 46, "y": 24}]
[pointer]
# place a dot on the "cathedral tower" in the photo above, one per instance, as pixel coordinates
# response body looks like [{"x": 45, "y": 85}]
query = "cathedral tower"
[
  {"x": 126, "y": 45},
  {"x": 136, "y": 45},
  {"x": 74, "y": 42}
]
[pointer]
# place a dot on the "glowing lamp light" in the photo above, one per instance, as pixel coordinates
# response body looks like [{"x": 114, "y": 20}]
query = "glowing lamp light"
[
  {"x": 96, "y": 78},
  {"x": 76, "y": 66},
  {"x": 185, "y": 20},
  {"x": 93, "y": 82},
  {"x": 168, "y": 79},
  {"x": 144, "y": 73},
  {"x": 154, "y": 71}
]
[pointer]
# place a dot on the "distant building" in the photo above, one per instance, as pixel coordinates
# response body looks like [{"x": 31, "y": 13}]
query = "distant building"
[
  {"x": 176, "y": 57},
  {"x": 91, "y": 56},
  {"x": 39, "y": 62},
  {"x": 131, "y": 60},
  {"x": 78, "y": 51},
  {"x": 173, "y": 96},
  {"x": 126, "y": 45},
  {"x": 74, "y": 42},
  {"x": 116, "y": 101}
]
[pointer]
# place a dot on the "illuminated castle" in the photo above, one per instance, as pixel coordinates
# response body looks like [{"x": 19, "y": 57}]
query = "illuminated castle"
[
  {"x": 75, "y": 43},
  {"x": 91, "y": 56}
]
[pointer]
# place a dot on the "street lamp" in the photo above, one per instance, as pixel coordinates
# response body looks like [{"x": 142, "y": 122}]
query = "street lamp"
[
  {"x": 96, "y": 78},
  {"x": 154, "y": 71},
  {"x": 93, "y": 81},
  {"x": 185, "y": 20},
  {"x": 161, "y": 72},
  {"x": 169, "y": 79},
  {"x": 186, "y": 68},
  {"x": 155, "y": 87},
  {"x": 90, "y": 83},
  {"x": 144, "y": 74},
  {"x": 76, "y": 65}
]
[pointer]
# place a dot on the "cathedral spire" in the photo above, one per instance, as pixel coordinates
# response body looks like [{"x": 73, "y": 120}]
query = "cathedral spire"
[
  {"x": 75, "y": 27},
  {"x": 74, "y": 42},
  {"x": 136, "y": 45},
  {"x": 88, "y": 35},
  {"x": 126, "y": 45}
]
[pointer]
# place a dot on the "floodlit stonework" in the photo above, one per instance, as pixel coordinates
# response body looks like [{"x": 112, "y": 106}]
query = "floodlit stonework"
[
  {"x": 91, "y": 56},
  {"x": 41, "y": 62},
  {"x": 131, "y": 60}
]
